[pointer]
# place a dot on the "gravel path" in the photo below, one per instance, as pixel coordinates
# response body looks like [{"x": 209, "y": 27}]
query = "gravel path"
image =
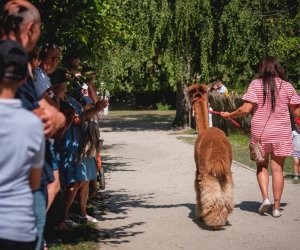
[{"x": 151, "y": 204}]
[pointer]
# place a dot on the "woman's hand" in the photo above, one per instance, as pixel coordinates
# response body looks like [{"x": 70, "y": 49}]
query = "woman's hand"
[
  {"x": 225, "y": 115},
  {"x": 101, "y": 104}
]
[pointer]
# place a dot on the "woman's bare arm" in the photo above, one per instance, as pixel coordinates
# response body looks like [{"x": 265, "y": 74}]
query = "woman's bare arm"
[
  {"x": 295, "y": 110},
  {"x": 243, "y": 110}
]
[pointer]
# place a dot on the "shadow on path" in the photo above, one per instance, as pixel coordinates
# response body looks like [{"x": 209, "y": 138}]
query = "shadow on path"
[
  {"x": 120, "y": 203},
  {"x": 143, "y": 122},
  {"x": 253, "y": 206}
]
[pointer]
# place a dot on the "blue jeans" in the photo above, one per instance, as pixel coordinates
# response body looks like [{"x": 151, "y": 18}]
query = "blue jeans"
[
  {"x": 10, "y": 244},
  {"x": 39, "y": 206}
]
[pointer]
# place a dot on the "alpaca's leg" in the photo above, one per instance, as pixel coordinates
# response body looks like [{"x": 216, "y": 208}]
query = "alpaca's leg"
[
  {"x": 198, "y": 198},
  {"x": 228, "y": 194}
]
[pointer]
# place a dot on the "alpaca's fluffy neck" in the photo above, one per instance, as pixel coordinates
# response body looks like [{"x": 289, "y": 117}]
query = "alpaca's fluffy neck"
[{"x": 201, "y": 116}]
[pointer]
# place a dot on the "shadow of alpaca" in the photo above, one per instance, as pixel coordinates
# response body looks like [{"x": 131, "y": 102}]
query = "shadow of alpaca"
[{"x": 200, "y": 222}]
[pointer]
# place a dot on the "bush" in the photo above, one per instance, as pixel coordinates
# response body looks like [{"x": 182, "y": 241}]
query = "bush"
[{"x": 161, "y": 106}]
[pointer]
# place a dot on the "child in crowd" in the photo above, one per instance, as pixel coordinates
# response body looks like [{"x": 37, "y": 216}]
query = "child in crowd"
[
  {"x": 22, "y": 153},
  {"x": 296, "y": 143},
  {"x": 221, "y": 88}
]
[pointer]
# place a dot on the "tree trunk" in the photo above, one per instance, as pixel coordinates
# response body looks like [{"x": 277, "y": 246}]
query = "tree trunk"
[{"x": 183, "y": 107}]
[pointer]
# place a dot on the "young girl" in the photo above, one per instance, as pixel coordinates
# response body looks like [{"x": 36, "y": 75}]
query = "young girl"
[{"x": 296, "y": 143}]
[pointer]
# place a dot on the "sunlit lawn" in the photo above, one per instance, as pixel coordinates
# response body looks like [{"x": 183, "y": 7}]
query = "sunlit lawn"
[{"x": 239, "y": 143}]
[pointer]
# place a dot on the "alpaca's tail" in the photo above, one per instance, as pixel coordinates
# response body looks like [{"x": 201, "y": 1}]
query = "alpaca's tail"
[
  {"x": 220, "y": 164},
  {"x": 216, "y": 200}
]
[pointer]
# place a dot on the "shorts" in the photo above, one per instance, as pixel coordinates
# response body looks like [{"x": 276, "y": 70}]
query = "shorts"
[{"x": 279, "y": 149}]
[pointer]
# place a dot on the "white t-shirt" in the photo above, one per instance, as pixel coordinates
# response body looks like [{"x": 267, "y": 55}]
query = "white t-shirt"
[{"x": 296, "y": 140}]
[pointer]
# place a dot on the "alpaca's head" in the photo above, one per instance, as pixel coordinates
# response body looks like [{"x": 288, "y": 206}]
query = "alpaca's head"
[{"x": 197, "y": 91}]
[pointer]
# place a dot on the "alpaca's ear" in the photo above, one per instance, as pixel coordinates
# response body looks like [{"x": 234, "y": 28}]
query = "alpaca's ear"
[
  {"x": 192, "y": 90},
  {"x": 202, "y": 88}
]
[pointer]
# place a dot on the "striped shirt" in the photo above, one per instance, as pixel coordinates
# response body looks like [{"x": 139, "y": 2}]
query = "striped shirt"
[{"x": 272, "y": 127}]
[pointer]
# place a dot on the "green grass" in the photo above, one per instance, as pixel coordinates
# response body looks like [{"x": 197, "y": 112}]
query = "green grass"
[
  {"x": 138, "y": 113},
  {"x": 240, "y": 148},
  {"x": 82, "y": 237},
  {"x": 239, "y": 143}
]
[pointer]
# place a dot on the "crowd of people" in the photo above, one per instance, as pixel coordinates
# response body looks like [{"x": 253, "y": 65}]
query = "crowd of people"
[{"x": 50, "y": 141}]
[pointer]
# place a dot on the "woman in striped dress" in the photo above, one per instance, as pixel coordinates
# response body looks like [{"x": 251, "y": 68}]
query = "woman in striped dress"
[{"x": 269, "y": 98}]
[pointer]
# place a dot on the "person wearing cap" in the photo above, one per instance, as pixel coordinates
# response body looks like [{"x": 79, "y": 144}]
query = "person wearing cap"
[
  {"x": 20, "y": 21},
  {"x": 22, "y": 153},
  {"x": 296, "y": 144}
]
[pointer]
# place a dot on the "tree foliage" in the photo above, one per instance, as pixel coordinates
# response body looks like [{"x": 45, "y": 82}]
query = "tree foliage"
[{"x": 161, "y": 44}]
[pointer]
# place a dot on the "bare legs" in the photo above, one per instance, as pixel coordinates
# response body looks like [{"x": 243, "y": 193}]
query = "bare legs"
[
  {"x": 263, "y": 177},
  {"x": 53, "y": 188},
  {"x": 83, "y": 188},
  {"x": 70, "y": 196},
  {"x": 277, "y": 163},
  {"x": 83, "y": 194},
  {"x": 296, "y": 166}
]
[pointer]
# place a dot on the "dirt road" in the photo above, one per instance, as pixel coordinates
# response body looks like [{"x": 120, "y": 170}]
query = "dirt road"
[{"x": 150, "y": 174}]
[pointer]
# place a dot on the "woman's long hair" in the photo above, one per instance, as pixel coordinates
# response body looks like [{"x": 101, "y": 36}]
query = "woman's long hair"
[{"x": 269, "y": 68}]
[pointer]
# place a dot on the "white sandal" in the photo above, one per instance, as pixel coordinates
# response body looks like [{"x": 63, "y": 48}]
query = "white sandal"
[
  {"x": 264, "y": 206},
  {"x": 276, "y": 213}
]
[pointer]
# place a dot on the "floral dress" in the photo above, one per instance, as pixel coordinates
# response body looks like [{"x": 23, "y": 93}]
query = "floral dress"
[{"x": 67, "y": 147}]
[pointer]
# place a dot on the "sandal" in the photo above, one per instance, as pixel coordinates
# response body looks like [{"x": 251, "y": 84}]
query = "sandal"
[
  {"x": 264, "y": 206},
  {"x": 62, "y": 227},
  {"x": 99, "y": 197}
]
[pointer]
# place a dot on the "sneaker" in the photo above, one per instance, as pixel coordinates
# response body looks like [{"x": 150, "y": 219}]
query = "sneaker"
[
  {"x": 264, "y": 206},
  {"x": 276, "y": 213},
  {"x": 91, "y": 219},
  {"x": 296, "y": 177}
]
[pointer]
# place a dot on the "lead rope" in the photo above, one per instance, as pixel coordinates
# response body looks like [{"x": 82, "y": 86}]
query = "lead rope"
[{"x": 219, "y": 113}]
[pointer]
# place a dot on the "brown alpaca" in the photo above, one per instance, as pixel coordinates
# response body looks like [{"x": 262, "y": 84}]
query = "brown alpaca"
[{"x": 213, "y": 157}]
